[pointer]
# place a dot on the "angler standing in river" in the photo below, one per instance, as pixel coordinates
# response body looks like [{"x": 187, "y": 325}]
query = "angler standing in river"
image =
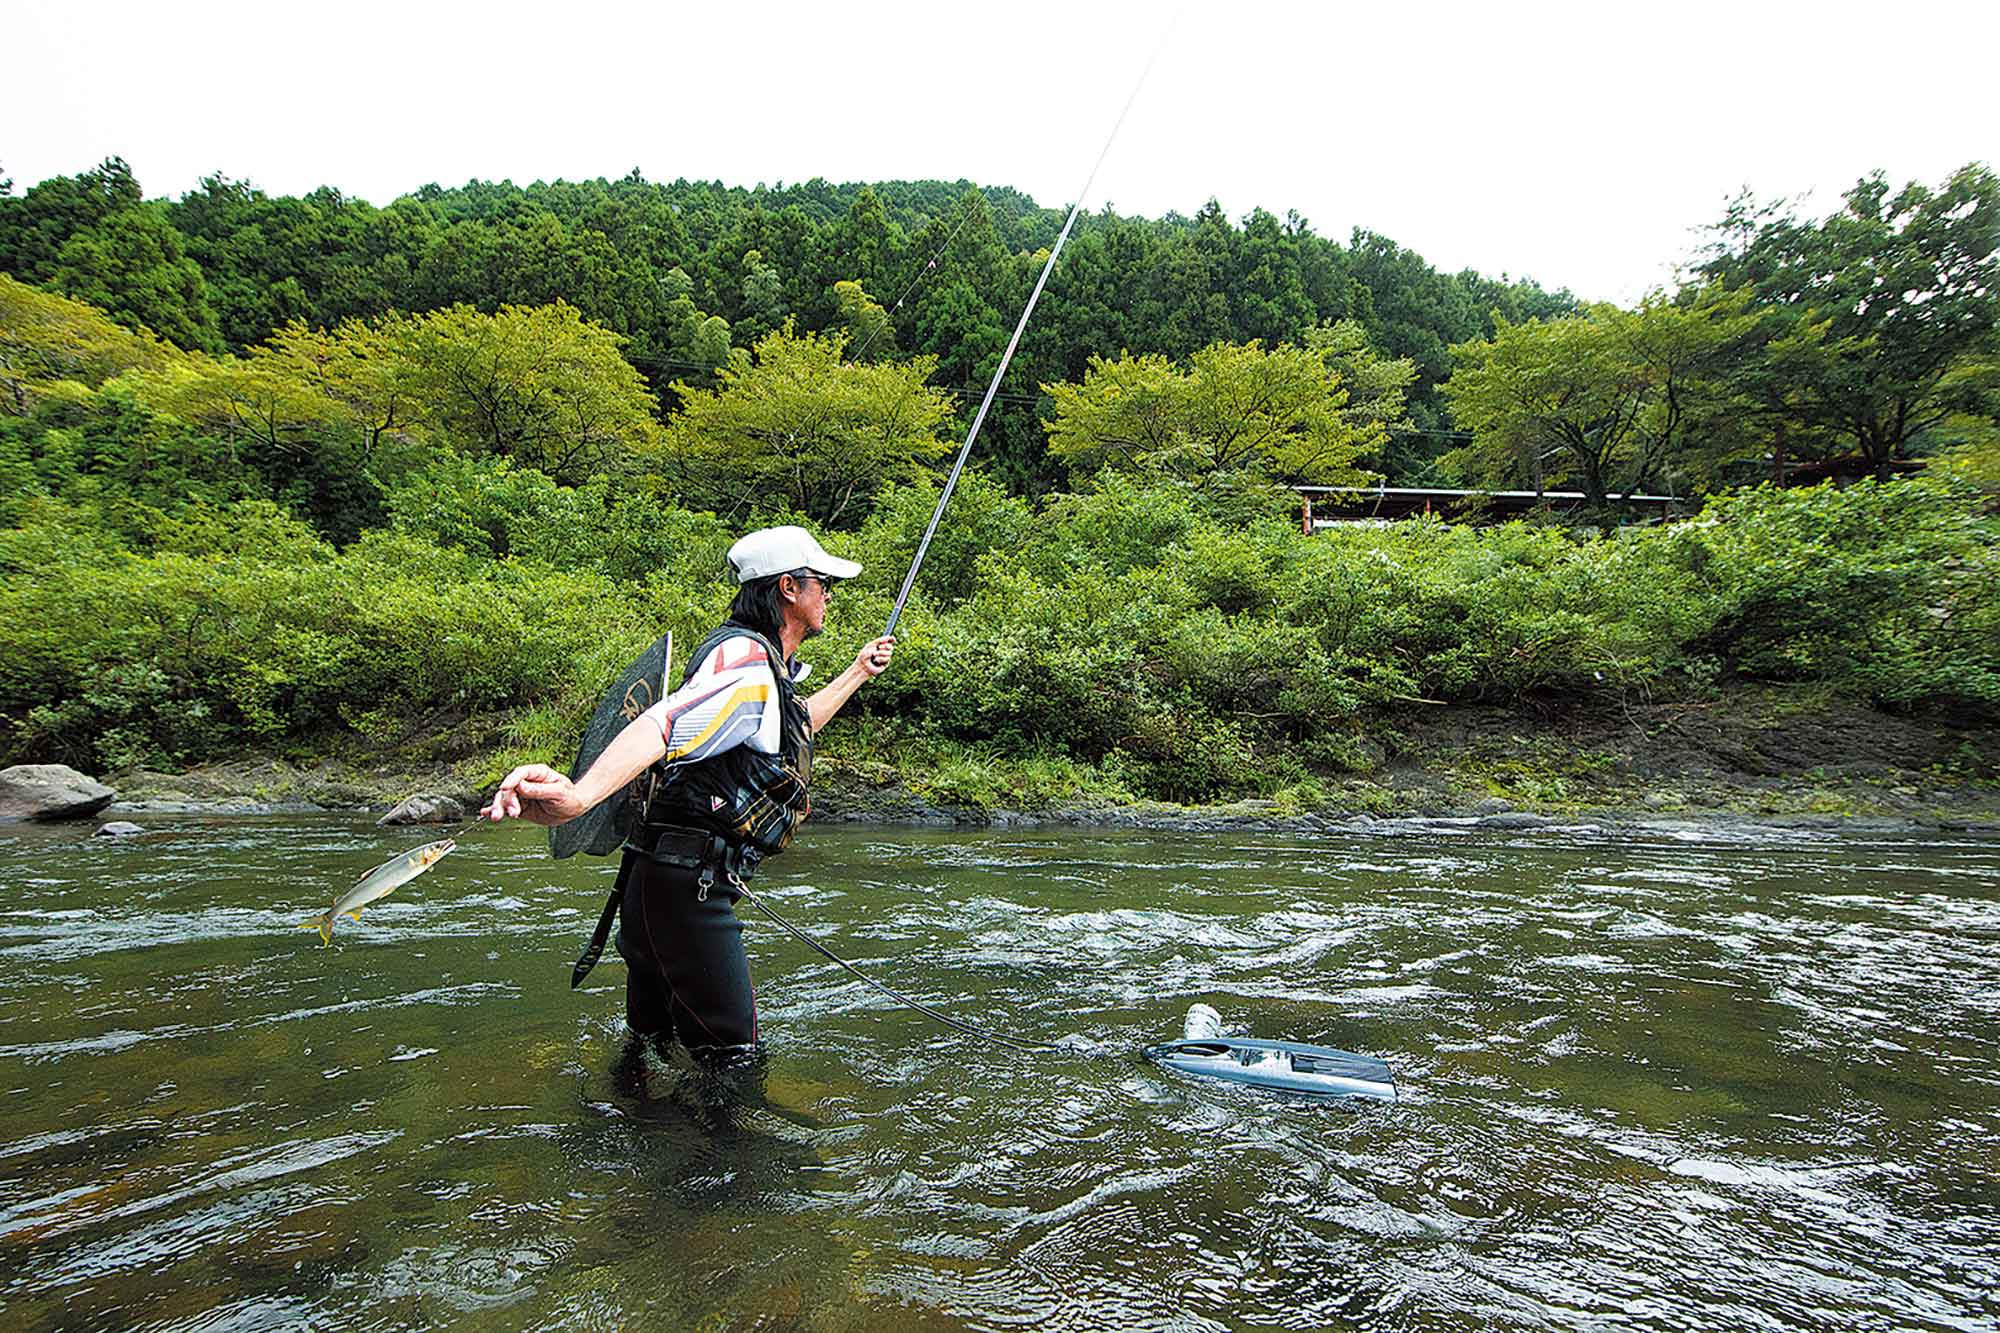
[{"x": 734, "y": 748}]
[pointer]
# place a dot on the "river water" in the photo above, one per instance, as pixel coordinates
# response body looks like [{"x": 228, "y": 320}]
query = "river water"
[{"x": 1659, "y": 1079}]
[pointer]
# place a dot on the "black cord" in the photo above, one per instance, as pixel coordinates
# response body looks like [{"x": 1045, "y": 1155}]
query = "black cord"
[{"x": 970, "y": 1029}]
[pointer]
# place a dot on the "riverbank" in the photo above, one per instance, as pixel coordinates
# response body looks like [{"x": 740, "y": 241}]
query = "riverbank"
[{"x": 1799, "y": 753}]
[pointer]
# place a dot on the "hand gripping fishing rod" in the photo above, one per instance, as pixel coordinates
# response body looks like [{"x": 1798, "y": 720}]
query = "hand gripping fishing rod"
[{"x": 1020, "y": 327}]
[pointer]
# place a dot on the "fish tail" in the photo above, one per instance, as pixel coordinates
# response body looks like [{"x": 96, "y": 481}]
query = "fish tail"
[{"x": 323, "y": 924}]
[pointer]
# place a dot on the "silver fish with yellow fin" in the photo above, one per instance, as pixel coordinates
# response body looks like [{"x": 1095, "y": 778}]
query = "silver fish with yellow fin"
[{"x": 380, "y": 882}]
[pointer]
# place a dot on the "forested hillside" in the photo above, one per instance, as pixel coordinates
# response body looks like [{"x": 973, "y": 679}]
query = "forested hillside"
[{"x": 685, "y": 270}]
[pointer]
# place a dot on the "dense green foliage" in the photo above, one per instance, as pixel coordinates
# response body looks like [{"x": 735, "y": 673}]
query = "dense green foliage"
[
  {"x": 1901, "y": 290},
  {"x": 1236, "y": 412},
  {"x": 682, "y": 271},
  {"x": 1637, "y": 399},
  {"x": 1127, "y": 628},
  {"x": 795, "y": 426},
  {"x": 1842, "y": 347},
  {"x": 466, "y": 454}
]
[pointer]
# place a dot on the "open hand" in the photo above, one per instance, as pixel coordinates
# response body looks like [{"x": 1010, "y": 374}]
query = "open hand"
[{"x": 536, "y": 793}]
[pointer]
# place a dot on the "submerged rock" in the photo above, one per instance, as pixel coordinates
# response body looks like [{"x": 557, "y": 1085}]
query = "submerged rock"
[
  {"x": 117, "y": 828},
  {"x": 50, "y": 791},
  {"x": 426, "y": 808}
]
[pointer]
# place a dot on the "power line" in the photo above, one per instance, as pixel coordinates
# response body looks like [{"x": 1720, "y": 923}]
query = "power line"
[
  {"x": 964, "y": 215},
  {"x": 962, "y": 391}
]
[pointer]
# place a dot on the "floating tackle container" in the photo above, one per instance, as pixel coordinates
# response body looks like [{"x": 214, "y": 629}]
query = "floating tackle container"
[{"x": 1287, "y": 1066}]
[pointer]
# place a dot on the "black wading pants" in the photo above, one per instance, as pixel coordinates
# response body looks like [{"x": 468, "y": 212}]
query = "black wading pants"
[{"x": 687, "y": 977}]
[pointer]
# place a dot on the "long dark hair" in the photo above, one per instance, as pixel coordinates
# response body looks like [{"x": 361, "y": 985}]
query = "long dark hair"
[{"x": 760, "y": 606}]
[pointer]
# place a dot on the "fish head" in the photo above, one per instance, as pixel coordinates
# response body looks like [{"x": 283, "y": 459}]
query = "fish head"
[{"x": 433, "y": 853}]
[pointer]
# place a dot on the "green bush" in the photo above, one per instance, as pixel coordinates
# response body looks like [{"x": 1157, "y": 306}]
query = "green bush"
[
  {"x": 233, "y": 646},
  {"x": 1152, "y": 644},
  {"x": 1890, "y": 590},
  {"x": 491, "y": 508},
  {"x": 982, "y": 518}
]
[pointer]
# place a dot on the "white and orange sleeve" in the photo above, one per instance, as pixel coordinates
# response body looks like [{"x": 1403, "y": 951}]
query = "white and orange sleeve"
[{"x": 730, "y": 700}]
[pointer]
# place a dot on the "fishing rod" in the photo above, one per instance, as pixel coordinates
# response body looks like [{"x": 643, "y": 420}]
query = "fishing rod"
[
  {"x": 916, "y": 563},
  {"x": 1020, "y": 327}
]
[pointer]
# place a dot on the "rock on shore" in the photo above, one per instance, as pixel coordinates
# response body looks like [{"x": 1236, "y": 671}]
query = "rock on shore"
[
  {"x": 50, "y": 791},
  {"x": 425, "y": 808}
]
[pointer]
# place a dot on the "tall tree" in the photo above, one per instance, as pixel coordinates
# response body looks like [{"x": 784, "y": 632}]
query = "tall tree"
[
  {"x": 791, "y": 427},
  {"x": 1685, "y": 347},
  {"x": 47, "y": 339},
  {"x": 1377, "y": 386},
  {"x": 1905, "y": 284},
  {"x": 1546, "y": 402},
  {"x": 763, "y": 306},
  {"x": 1603, "y": 398},
  {"x": 542, "y": 386},
  {"x": 869, "y": 337},
  {"x": 1269, "y": 298},
  {"x": 1238, "y": 412},
  {"x": 134, "y": 266},
  {"x": 34, "y": 226}
]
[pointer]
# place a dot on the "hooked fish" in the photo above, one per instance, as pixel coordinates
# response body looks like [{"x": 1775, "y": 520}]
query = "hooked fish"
[{"x": 380, "y": 882}]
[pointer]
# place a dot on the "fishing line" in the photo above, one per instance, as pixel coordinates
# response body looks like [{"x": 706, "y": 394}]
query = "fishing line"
[
  {"x": 909, "y": 580},
  {"x": 971, "y": 1029},
  {"x": 916, "y": 563},
  {"x": 478, "y": 818},
  {"x": 979, "y": 419}
]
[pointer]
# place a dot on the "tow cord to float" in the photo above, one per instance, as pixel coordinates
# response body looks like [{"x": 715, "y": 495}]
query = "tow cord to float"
[{"x": 963, "y": 1025}]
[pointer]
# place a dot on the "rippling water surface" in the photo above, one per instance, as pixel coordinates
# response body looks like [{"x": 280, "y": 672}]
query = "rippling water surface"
[{"x": 1654, "y": 1080}]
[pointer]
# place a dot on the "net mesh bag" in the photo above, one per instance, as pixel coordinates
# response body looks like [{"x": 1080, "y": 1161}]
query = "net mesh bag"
[{"x": 604, "y": 827}]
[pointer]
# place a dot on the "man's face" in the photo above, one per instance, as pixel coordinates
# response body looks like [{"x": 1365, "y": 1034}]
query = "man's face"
[{"x": 809, "y": 595}]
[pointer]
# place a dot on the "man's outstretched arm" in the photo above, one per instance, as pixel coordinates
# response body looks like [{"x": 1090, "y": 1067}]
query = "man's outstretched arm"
[{"x": 869, "y": 663}]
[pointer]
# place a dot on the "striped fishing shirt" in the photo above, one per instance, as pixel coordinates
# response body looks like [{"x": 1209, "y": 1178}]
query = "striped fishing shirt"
[{"x": 730, "y": 700}]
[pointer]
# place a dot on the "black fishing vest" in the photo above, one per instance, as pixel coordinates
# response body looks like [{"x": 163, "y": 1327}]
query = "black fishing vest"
[{"x": 754, "y": 800}]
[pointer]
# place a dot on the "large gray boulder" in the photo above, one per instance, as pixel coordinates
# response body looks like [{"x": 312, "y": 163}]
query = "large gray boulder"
[
  {"x": 50, "y": 791},
  {"x": 427, "y": 808}
]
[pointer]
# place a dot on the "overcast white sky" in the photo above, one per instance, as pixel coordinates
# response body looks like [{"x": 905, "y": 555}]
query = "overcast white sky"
[{"x": 1579, "y": 144}]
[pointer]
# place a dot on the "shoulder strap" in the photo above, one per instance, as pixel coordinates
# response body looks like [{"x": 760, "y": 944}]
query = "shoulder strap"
[{"x": 731, "y": 629}]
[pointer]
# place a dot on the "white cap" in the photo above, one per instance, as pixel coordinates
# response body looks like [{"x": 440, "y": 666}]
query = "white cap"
[{"x": 769, "y": 551}]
